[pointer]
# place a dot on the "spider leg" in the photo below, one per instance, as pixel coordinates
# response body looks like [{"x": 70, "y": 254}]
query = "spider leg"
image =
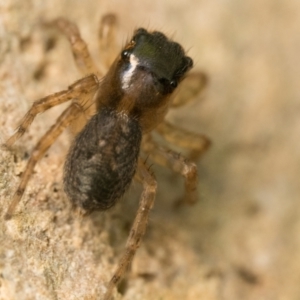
[
  {"x": 43, "y": 145},
  {"x": 177, "y": 163},
  {"x": 81, "y": 53},
  {"x": 196, "y": 143},
  {"x": 139, "y": 225},
  {"x": 107, "y": 39},
  {"x": 82, "y": 86},
  {"x": 189, "y": 89}
]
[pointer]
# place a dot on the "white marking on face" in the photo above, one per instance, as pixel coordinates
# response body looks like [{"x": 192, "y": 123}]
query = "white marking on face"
[{"x": 128, "y": 74}]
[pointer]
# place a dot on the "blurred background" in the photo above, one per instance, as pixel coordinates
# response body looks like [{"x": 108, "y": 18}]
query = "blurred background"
[{"x": 242, "y": 239}]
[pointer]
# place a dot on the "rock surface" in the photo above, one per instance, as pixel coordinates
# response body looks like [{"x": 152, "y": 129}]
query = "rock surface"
[{"x": 241, "y": 241}]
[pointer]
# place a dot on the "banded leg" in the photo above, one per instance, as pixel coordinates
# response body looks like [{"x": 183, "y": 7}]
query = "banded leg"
[
  {"x": 196, "y": 143},
  {"x": 43, "y": 145},
  {"x": 107, "y": 39},
  {"x": 138, "y": 228},
  {"x": 177, "y": 163},
  {"x": 76, "y": 90},
  {"x": 80, "y": 49}
]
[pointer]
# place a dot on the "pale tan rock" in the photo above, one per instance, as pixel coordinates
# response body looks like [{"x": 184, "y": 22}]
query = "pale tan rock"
[{"x": 241, "y": 241}]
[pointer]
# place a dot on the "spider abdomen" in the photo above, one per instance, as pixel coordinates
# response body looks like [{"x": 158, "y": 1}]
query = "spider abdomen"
[{"x": 102, "y": 160}]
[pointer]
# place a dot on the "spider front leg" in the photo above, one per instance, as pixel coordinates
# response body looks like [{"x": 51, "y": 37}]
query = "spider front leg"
[
  {"x": 82, "y": 86},
  {"x": 80, "y": 50},
  {"x": 191, "y": 87},
  {"x": 139, "y": 225},
  {"x": 81, "y": 54},
  {"x": 107, "y": 39}
]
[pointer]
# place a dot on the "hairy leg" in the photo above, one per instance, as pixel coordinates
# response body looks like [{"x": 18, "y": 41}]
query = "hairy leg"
[
  {"x": 80, "y": 50},
  {"x": 175, "y": 162},
  {"x": 107, "y": 39},
  {"x": 196, "y": 143},
  {"x": 138, "y": 228},
  {"x": 76, "y": 90},
  {"x": 43, "y": 145}
]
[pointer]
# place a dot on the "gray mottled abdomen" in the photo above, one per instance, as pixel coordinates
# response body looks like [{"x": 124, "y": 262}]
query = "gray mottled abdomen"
[{"x": 102, "y": 160}]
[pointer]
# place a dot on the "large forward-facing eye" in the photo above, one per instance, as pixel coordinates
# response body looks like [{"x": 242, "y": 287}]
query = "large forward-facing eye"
[
  {"x": 173, "y": 84},
  {"x": 125, "y": 54}
]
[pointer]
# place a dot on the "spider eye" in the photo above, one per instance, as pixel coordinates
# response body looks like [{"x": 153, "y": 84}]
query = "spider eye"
[
  {"x": 173, "y": 84},
  {"x": 168, "y": 85},
  {"x": 125, "y": 54},
  {"x": 189, "y": 62}
]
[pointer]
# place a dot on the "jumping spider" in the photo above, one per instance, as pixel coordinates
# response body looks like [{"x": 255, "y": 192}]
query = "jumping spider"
[{"x": 123, "y": 108}]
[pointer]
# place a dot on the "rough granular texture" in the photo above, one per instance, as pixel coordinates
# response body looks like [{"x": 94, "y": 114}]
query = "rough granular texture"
[{"x": 241, "y": 241}]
